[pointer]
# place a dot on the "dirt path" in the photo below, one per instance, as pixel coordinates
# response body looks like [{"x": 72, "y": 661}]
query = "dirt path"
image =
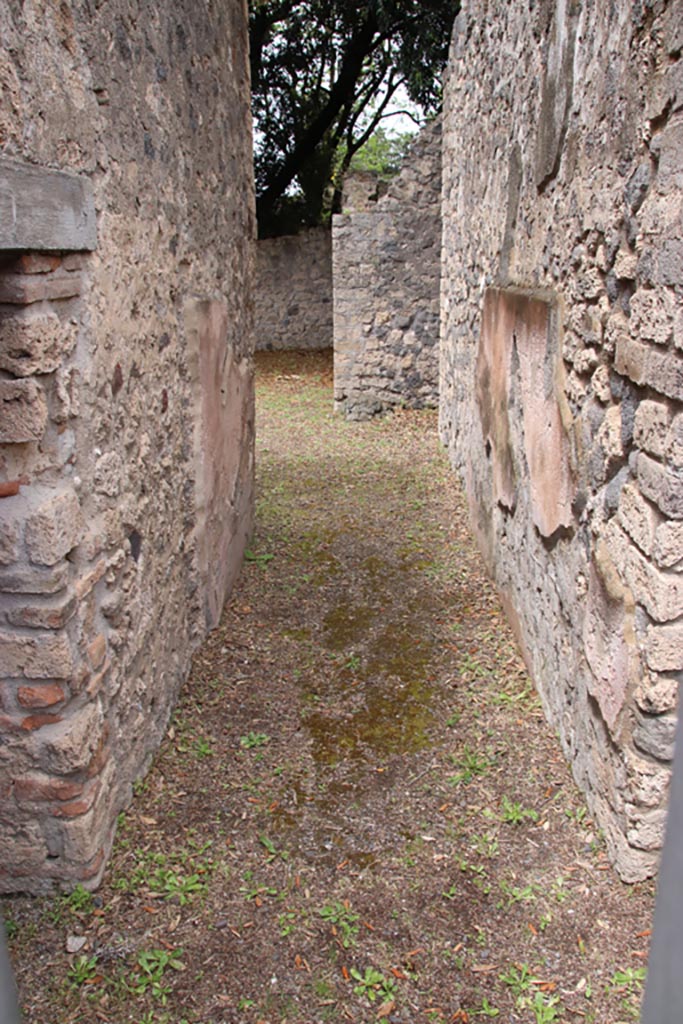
[{"x": 359, "y": 812}]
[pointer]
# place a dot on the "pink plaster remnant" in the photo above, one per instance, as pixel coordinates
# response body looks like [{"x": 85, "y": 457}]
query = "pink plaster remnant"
[
  {"x": 222, "y": 450},
  {"x": 515, "y": 321}
]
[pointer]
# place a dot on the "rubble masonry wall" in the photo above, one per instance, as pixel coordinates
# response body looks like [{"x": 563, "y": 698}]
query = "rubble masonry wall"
[
  {"x": 294, "y": 291},
  {"x": 386, "y": 273},
  {"x": 126, "y": 396},
  {"x": 562, "y": 369}
]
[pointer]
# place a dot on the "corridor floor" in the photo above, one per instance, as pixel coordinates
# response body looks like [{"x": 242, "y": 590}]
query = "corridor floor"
[{"x": 359, "y": 812}]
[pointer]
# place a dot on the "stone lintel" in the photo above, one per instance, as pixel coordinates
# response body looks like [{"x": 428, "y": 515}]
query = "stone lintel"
[{"x": 44, "y": 209}]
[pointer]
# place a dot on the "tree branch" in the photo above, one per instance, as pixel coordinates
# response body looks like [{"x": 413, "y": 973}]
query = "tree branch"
[{"x": 352, "y": 65}]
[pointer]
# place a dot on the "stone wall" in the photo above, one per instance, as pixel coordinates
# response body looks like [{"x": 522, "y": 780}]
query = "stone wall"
[
  {"x": 294, "y": 291},
  {"x": 562, "y": 369},
  {"x": 385, "y": 267},
  {"x": 126, "y": 388}
]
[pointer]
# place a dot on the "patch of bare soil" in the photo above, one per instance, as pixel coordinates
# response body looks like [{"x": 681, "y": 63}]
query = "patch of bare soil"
[{"x": 359, "y": 812}]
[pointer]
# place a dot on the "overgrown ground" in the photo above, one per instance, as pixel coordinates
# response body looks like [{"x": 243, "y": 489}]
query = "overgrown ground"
[{"x": 359, "y": 812}]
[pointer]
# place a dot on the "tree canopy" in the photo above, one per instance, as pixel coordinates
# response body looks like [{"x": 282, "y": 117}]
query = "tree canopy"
[
  {"x": 383, "y": 153},
  {"x": 324, "y": 73}
]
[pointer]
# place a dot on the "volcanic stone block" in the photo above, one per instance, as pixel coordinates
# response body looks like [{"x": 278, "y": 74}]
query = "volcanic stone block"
[
  {"x": 54, "y": 527},
  {"x": 661, "y": 485},
  {"x": 665, "y": 648},
  {"x": 651, "y": 426},
  {"x": 35, "y": 344},
  {"x": 70, "y": 745},
  {"x": 41, "y": 656},
  {"x": 41, "y": 208},
  {"x": 23, "y": 411}
]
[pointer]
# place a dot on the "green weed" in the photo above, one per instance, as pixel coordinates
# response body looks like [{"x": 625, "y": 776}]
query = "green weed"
[
  {"x": 343, "y": 921},
  {"x": 254, "y": 739},
  {"x": 273, "y": 852},
  {"x": 516, "y": 894},
  {"x": 487, "y": 1010},
  {"x": 515, "y": 814},
  {"x": 471, "y": 765},
  {"x": 630, "y": 979},
  {"x": 519, "y": 979},
  {"x": 287, "y": 922},
  {"x": 80, "y": 901},
  {"x": 486, "y": 845},
  {"x": 152, "y": 965},
  {"x": 202, "y": 748},
  {"x": 558, "y": 890},
  {"x": 258, "y": 558},
  {"x": 545, "y": 1010},
  {"x": 172, "y": 884},
  {"x": 628, "y": 983},
  {"x": 257, "y": 892},
  {"x": 373, "y": 984},
  {"x": 179, "y": 875},
  {"x": 82, "y": 971}
]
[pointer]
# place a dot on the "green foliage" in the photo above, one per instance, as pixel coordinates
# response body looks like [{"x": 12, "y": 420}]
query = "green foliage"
[
  {"x": 629, "y": 979},
  {"x": 628, "y": 983},
  {"x": 515, "y": 814},
  {"x": 373, "y": 984},
  {"x": 79, "y": 901},
  {"x": 179, "y": 875},
  {"x": 471, "y": 764},
  {"x": 487, "y": 845},
  {"x": 519, "y": 978},
  {"x": 343, "y": 921},
  {"x": 171, "y": 883},
  {"x": 382, "y": 154},
  {"x": 259, "y": 558},
  {"x": 202, "y": 747},
  {"x": 82, "y": 971},
  {"x": 287, "y": 922},
  {"x": 487, "y": 1010},
  {"x": 516, "y": 894},
  {"x": 545, "y": 1010},
  {"x": 254, "y": 739},
  {"x": 323, "y": 73},
  {"x": 273, "y": 851},
  {"x": 151, "y": 968}
]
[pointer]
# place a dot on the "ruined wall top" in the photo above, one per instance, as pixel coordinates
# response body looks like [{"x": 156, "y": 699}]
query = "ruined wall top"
[{"x": 386, "y": 286}]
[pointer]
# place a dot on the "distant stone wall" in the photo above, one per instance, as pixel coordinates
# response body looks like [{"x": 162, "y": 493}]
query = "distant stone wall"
[
  {"x": 386, "y": 271},
  {"x": 294, "y": 291},
  {"x": 126, "y": 433},
  {"x": 562, "y": 370}
]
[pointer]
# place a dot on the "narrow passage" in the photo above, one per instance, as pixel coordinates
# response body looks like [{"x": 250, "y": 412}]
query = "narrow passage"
[{"x": 359, "y": 812}]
